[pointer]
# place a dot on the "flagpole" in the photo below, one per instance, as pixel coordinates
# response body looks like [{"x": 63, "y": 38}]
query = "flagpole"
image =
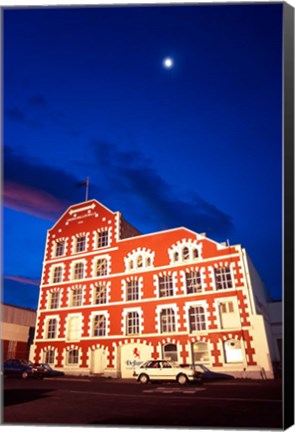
[{"x": 87, "y": 185}]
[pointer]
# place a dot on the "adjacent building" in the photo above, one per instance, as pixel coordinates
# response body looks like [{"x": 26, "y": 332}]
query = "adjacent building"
[
  {"x": 17, "y": 331},
  {"x": 111, "y": 298}
]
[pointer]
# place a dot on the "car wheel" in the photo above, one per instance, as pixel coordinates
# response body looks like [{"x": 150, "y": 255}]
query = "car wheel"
[
  {"x": 182, "y": 379},
  {"x": 25, "y": 375},
  {"x": 143, "y": 379}
]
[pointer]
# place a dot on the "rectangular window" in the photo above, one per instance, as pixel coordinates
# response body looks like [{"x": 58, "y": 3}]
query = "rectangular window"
[
  {"x": 60, "y": 248},
  {"x": 197, "y": 318},
  {"x": 79, "y": 271},
  {"x": 76, "y": 297},
  {"x": 54, "y": 300},
  {"x": 49, "y": 357},
  {"x": 227, "y": 307},
  {"x": 165, "y": 286},
  {"x": 223, "y": 278},
  {"x": 167, "y": 320},
  {"x": 103, "y": 239},
  {"x": 102, "y": 267},
  {"x": 57, "y": 275},
  {"x": 73, "y": 356},
  {"x": 193, "y": 282},
  {"x": 100, "y": 293},
  {"x": 132, "y": 290},
  {"x": 51, "y": 329},
  {"x": 132, "y": 323},
  {"x": 99, "y": 325},
  {"x": 81, "y": 244}
]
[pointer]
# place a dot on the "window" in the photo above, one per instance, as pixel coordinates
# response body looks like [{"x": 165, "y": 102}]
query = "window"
[
  {"x": 79, "y": 271},
  {"x": 233, "y": 351},
  {"x": 99, "y": 325},
  {"x": 50, "y": 356},
  {"x": 76, "y": 297},
  {"x": 57, "y": 274},
  {"x": 51, "y": 328},
  {"x": 197, "y": 318},
  {"x": 193, "y": 282},
  {"x": 54, "y": 300},
  {"x": 167, "y": 317},
  {"x": 227, "y": 307},
  {"x": 101, "y": 267},
  {"x": 170, "y": 352},
  {"x": 73, "y": 356},
  {"x": 139, "y": 261},
  {"x": 103, "y": 239},
  {"x": 100, "y": 294},
  {"x": 132, "y": 323},
  {"x": 176, "y": 256},
  {"x": 81, "y": 244},
  {"x": 185, "y": 254},
  {"x": 132, "y": 290},
  {"x": 223, "y": 278},
  {"x": 60, "y": 248},
  {"x": 200, "y": 352},
  {"x": 165, "y": 286}
]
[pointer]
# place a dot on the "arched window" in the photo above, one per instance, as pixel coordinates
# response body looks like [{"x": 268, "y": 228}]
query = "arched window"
[
  {"x": 200, "y": 352},
  {"x": 185, "y": 254},
  {"x": 73, "y": 357},
  {"x": 176, "y": 256},
  {"x": 170, "y": 352},
  {"x": 195, "y": 253},
  {"x": 139, "y": 261},
  {"x": 233, "y": 351}
]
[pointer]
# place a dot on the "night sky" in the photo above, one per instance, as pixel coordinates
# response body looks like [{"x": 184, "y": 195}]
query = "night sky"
[{"x": 195, "y": 143}]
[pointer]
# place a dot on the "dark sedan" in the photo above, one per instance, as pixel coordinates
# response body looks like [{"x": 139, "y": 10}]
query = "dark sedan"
[
  {"x": 20, "y": 368},
  {"x": 207, "y": 374},
  {"x": 48, "y": 371}
]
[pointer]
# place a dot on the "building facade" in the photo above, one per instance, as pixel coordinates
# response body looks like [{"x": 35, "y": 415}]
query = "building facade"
[
  {"x": 17, "y": 331},
  {"x": 111, "y": 298}
]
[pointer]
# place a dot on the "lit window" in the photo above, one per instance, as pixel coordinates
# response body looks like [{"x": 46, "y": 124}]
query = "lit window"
[
  {"x": 101, "y": 267},
  {"x": 99, "y": 325},
  {"x": 57, "y": 274},
  {"x": 167, "y": 317},
  {"x": 81, "y": 244},
  {"x": 103, "y": 239},
  {"x": 200, "y": 352},
  {"x": 233, "y": 351},
  {"x": 51, "y": 328},
  {"x": 197, "y": 318},
  {"x": 223, "y": 278},
  {"x": 132, "y": 290},
  {"x": 100, "y": 295},
  {"x": 193, "y": 282},
  {"x": 166, "y": 286},
  {"x": 132, "y": 323},
  {"x": 79, "y": 271}
]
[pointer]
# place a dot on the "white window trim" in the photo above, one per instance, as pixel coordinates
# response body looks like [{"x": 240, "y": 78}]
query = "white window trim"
[{"x": 45, "y": 327}]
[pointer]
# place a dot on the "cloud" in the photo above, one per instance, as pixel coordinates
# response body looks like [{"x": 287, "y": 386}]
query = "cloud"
[
  {"x": 23, "y": 280},
  {"x": 35, "y": 188},
  {"x": 131, "y": 173}
]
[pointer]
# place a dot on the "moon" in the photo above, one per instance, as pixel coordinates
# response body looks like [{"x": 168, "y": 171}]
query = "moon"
[{"x": 168, "y": 62}]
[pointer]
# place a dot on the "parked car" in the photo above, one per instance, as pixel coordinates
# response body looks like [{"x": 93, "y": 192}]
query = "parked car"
[
  {"x": 48, "y": 371},
  {"x": 163, "y": 370},
  {"x": 21, "y": 368},
  {"x": 207, "y": 374}
]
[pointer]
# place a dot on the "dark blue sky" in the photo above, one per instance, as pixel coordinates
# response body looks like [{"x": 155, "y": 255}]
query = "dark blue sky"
[{"x": 197, "y": 145}]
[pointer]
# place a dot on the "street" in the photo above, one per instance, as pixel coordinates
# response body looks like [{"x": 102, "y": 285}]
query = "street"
[{"x": 100, "y": 401}]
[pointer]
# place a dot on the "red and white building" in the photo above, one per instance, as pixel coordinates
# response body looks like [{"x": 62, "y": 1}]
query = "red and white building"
[{"x": 111, "y": 298}]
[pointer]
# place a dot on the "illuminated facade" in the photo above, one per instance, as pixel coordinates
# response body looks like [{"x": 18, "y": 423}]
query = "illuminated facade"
[{"x": 111, "y": 298}]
